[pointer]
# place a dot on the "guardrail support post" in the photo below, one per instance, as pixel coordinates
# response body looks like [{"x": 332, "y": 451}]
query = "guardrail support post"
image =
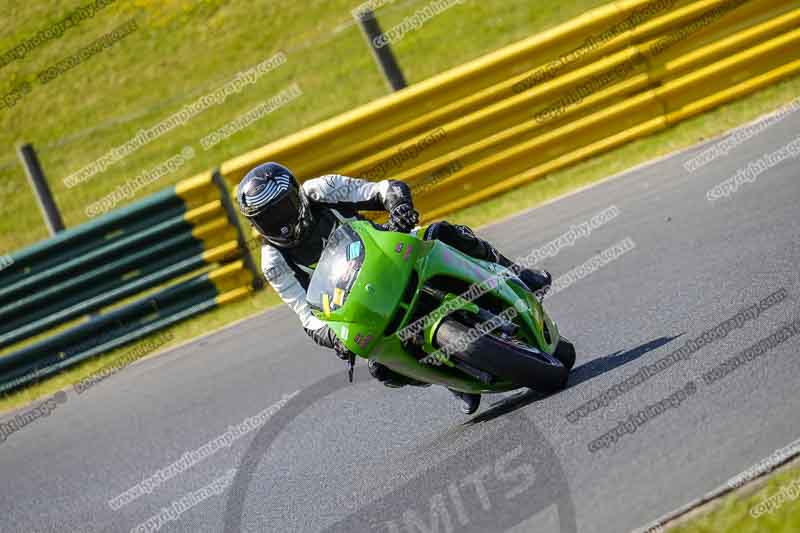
[
  {"x": 41, "y": 190},
  {"x": 233, "y": 218},
  {"x": 383, "y": 55}
]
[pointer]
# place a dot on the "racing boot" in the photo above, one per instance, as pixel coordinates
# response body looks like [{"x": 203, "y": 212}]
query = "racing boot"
[
  {"x": 391, "y": 378},
  {"x": 538, "y": 281},
  {"x": 469, "y": 401}
]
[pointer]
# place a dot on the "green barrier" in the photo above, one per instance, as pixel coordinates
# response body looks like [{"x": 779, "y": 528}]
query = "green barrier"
[
  {"x": 90, "y": 282},
  {"x": 109, "y": 331},
  {"x": 73, "y": 242},
  {"x": 35, "y": 314},
  {"x": 173, "y": 233},
  {"x": 99, "y": 256}
]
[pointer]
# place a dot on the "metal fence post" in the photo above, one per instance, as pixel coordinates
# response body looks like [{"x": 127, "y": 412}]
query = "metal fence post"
[
  {"x": 44, "y": 197},
  {"x": 382, "y": 53},
  {"x": 225, "y": 198}
]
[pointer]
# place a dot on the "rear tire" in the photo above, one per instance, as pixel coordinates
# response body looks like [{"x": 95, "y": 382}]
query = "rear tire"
[{"x": 505, "y": 359}]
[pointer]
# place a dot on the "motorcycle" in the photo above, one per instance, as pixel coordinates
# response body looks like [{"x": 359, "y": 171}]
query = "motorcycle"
[{"x": 435, "y": 315}]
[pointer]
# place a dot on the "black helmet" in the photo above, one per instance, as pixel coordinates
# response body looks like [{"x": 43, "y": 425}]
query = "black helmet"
[{"x": 272, "y": 200}]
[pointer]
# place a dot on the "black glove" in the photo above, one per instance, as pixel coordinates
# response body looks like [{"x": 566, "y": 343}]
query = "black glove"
[
  {"x": 342, "y": 352},
  {"x": 403, "y": 218},
  {"x": 326, "y": 337}
]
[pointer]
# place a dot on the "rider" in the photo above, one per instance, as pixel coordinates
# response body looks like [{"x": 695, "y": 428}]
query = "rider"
[{"x": 295, "y": 220}]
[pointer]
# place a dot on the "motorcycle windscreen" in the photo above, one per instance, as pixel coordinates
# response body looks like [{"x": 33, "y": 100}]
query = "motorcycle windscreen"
[{"x": 336, "y": 271}]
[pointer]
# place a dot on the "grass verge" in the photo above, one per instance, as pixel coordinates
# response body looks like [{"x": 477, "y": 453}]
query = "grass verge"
[{"x": 765, "y": 506}]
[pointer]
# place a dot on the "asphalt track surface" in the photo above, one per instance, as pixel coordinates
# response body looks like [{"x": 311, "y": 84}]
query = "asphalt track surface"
[{"x": 339, "y": 457}]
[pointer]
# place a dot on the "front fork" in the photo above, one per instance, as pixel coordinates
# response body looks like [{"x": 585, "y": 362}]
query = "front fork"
[{"x": 351, "y": 366}]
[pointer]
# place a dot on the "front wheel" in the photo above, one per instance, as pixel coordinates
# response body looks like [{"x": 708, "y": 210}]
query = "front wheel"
[
  {"x": 504, "y": 357},
  {"x": 565, "y": 352}
]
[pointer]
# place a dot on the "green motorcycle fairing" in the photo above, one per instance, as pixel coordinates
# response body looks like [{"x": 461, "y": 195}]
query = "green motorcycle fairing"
[{"x": 368, "y": 279}]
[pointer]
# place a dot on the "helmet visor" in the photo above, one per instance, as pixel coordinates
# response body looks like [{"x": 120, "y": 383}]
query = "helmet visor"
[{"x": 280, "y": 220}]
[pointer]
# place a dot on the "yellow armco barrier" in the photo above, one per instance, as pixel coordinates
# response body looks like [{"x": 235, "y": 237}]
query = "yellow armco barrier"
[
  {"x": 232, "y": 276},
  {"x": 215, "y": 225},
  {"x": 234, "y": 295},
  {"x": 197, "y": 190},
  {"x": 228, "y": 250},
  {"x": 643, "y": 130},
  {"x": 617, "y": 73},
  {"x": 214, "y": 232},
  {"x": 204, "y": 212}
]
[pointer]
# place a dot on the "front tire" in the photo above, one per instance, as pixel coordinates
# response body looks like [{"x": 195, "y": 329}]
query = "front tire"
[
  {"x": 565, "y": 352},
  {"x": 505, "y": 358}
]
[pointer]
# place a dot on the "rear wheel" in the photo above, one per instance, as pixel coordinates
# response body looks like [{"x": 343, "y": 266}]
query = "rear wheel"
[{"x": 504, "y": 357}]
